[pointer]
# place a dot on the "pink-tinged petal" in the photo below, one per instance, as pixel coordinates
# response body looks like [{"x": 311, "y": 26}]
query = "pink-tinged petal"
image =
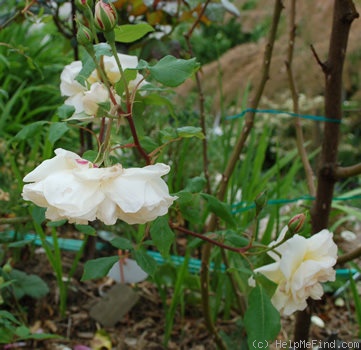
[{"x": 61, "y": 162}]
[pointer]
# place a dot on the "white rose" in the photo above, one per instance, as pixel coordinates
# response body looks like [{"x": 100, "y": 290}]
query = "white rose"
[
  {"x": 112, "y": 70},
  {"x": 72, "y": 188},
  {"x": 84, "y": 99},
  {"x": 301, "y": 264},
  {"x": 68, "y": 85},
  {"x": 98, "y": 93}
]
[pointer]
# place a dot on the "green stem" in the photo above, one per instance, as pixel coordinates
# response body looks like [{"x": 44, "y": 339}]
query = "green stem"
[
  {"x": 11, "y": 221},
  {"x": 212, "y": 241},
  {"x": 111, "y": 41},
  {"x": 55, "y": 262},
  {"x": 201, "y": 100},
  {"x": 298, "y": 126},
  {"x": 59, "y": 273},
  {"x": 77, "y": 258},
  {"x": 129, "y": 115}
]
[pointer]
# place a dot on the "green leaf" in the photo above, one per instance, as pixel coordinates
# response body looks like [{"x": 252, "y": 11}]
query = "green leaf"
[
  {"x": 177, "y": 298},
  {"x": 65, "y": 111},
  {"x": 261, "y": 320},
  {"x": 90, "y": 155},
  {"x": 219, "y": 208},
  {"x": 235, "y": 239},
  {"x": 122, "y": 243},
  {"x": 129, "y": 33},
  {"x": 38, "y": 214},
  {"x": 190, "y": 131},
  {"x": 56, "y": 223},
  {"x": 145, "y": 261},
  {"x": 86, "y": 229},
  {"x": 189, "y": 205},
  {"x": 148, "y": 143},
  {"x": 8, "y": 316},
  {"x": 162, "y": 235},
  {"x": 19, "y": 244},
  {"x": 196, "y": 184},
  {"x": 129, "y": 75},
  {"x": 22, "y": 331},
  {"x": 98, "y": 268},
  {"x": 6, "y": 335},
  {"x": 171, "y": 71},
  {"x": 30, "y": 285},
  {"x": 28, "y": 131},
  {"x": 168, "y": 134},
  {"x": 103, "y": 49},
  {"x": 88, "y": 64},
  {"x": 158, "y": 100},
  {"x": 56, "y": 131}
]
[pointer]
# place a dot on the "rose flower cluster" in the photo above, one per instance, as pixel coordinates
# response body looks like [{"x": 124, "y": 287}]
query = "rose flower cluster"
[{"x": 86, "y": 98}]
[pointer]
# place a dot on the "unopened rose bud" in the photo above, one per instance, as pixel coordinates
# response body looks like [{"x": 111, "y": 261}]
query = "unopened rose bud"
[
  {"x": 105, "y": 16},
  {"x": 84, "y": 35},
  {"x": 260, "y": 201},
  {"x": 84, "y": 4},
  {"x": 295, "y": 225}
]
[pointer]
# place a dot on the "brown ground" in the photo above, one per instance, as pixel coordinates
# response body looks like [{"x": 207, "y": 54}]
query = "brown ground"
[
  {"x": 143, "y": 326},
  {"x": 242, "y": 64}
]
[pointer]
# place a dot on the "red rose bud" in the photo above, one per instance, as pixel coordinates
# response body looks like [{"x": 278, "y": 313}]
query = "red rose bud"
[
  {"x": 105, "y": 16},
  {"x": 295, "y": 225},
  {"x": 84, "y": 36}
]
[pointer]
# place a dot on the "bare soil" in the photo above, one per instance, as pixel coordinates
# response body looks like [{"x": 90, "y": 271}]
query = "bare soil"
[
  {"x": 241, "y": 66},
  {"x": 143, "y": 326}
]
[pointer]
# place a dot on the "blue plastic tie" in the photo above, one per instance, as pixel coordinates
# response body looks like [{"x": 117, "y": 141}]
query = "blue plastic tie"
[
  {"x": 245, "y": 205},
  {"x": 275, "y": 111}
]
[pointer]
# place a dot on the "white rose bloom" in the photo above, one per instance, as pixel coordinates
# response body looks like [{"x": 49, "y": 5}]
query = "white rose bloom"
[
  {"x": 112, "y": 71},
  {"x": 73, "y": 188},
  {"x": 301, "y": 265},
  {"x": 68, "y": 85},
  {"x": 84, "y": 100},
  {"x": 98, "y": 93}
]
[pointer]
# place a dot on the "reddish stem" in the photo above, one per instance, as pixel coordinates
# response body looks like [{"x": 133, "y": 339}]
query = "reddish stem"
[
  {"x": 137, "y": 144},
  {"x": 210, "y": 240}
]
